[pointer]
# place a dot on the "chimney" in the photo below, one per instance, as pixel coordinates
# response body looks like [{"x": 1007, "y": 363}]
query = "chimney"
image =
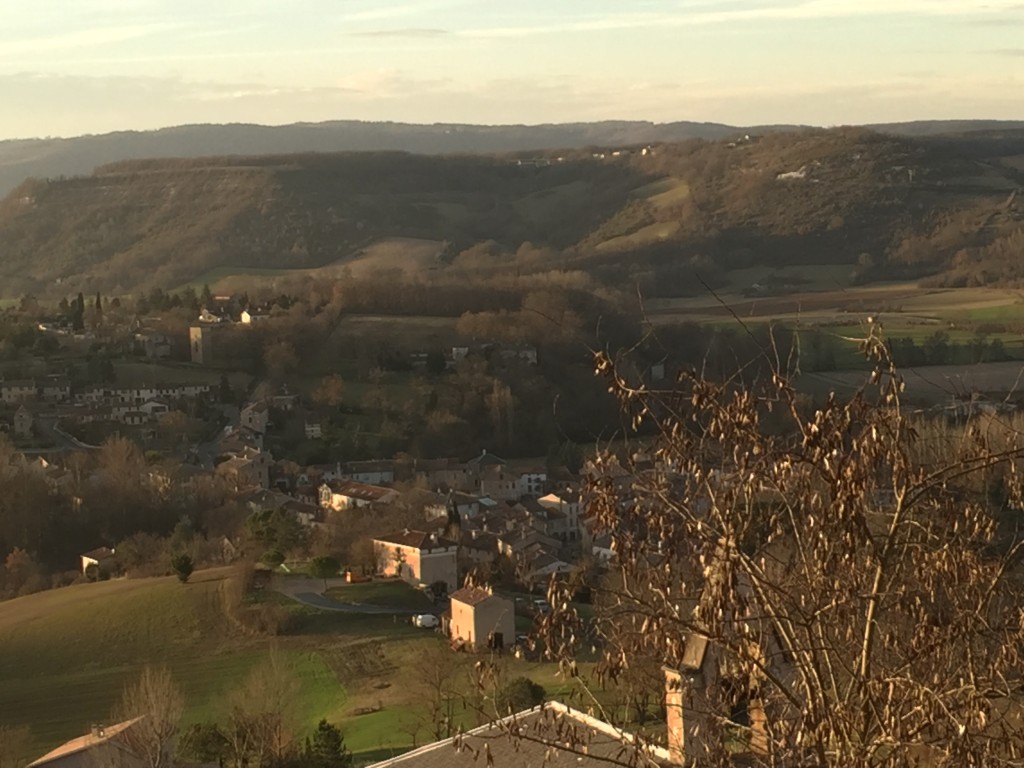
[
  {"x": 685, "y": 707},
  {"x": 674, "y": 715}
]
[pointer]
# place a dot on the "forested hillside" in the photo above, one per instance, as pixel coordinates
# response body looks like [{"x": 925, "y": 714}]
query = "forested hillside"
[{"x": 888, "y": 207}]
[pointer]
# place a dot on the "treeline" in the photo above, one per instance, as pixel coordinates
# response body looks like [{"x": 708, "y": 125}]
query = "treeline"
[
  {"x": 939, "y": 349},
  {"x": 49, "y": 516}
]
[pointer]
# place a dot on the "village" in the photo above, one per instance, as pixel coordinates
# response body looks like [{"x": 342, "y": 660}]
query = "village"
[{"x": 481, "y": 520}]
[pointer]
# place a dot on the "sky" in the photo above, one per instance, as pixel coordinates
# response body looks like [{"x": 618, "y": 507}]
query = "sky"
[{"x": 70, "y": 67}]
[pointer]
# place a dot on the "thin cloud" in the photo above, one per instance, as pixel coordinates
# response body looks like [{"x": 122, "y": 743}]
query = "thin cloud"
[
  {"x": 408, "y": 32},
  {"x": 704, "y": 14},
  {"x": 400, "y": 11},
  {"x": 1013, "y": 52},
  {"x": 86, "y": 38}
]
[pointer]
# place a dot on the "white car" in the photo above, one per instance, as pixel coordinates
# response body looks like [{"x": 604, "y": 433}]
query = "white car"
[{"x": 425, "y": 620}]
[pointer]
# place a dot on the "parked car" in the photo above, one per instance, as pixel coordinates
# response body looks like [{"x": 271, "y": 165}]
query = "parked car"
[
  {"x": 540, "y": 605},
  {"x": 425, "y": 620}
]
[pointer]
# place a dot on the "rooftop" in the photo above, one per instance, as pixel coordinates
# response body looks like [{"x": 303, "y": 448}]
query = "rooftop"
[
  {"x": 486, "y": 459},
  {"x": 549, "y": 736},
  {"x": 471, "y": 595},
  {"x": 100, "y": 553},
  {"x": 378, "y": 465},
  {"x": 83, "y": 743},
  {"x": 417, "y": 539},
  {"x": 362, "y": 491}
]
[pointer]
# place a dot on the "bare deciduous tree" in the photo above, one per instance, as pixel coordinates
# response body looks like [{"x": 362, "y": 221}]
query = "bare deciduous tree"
[
  {"x": 834, "y": 592},
  {"x": 157, "y": 700},
  {"x": 438, "y": 693},
  {"x": 259, "y": 725},
  {"x": 330, "y": 392}
]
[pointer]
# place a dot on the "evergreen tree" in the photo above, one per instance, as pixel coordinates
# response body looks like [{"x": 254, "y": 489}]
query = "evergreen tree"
[
  {"x": 227, "y": 395},
  {"x": 206, "y": 297},
  {"x": 326, "y": 749},
  {"x": 78, "y": 314},
  {"x": 183, "y": 566},
  {"x": 324, "y": 568},
  {"x": 454, "y": 528}
]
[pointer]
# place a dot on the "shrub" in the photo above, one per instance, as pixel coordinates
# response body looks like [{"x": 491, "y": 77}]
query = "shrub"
[{"x": 517, "y": 695}]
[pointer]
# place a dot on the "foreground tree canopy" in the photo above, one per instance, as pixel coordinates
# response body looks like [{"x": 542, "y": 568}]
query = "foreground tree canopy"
[{"x": 834, "y": 587}]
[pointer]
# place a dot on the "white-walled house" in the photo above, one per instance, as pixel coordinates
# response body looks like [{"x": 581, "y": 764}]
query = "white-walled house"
[
  {"x": 418, "y": 557},
  {"x": 339, "y": 495}
]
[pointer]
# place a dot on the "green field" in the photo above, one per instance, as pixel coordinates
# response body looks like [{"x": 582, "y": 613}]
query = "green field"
[
  {"x": 664, "y": 192},
  {"x": 652, "y": 233},
  {"x": 402, "y": 253},
  {"x": 65, "y": 656},
  {"x": 392, "y": 594}
]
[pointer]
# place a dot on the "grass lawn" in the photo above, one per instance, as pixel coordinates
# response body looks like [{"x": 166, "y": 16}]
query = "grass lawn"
[
  {"x": 66, "y": 655},
  {"x": 393, "y": 594},
  {"x": 664, "y": 192},
  {"x": 652, "y": 233}
]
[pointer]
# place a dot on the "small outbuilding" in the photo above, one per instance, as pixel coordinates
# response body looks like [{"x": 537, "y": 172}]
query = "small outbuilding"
[
  {"x": 104, "y": 558},
  {"x": 481, "y": 619}
]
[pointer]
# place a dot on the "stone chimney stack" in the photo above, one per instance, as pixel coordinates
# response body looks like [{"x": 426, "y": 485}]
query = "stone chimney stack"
[
  {"x": 674, "y": 715},
  {"x": 685, "y": 706}
]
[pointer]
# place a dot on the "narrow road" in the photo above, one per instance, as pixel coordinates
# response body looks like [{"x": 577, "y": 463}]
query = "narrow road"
[
  {"x": 300, "y": 589},
  {"x": 49, "y": 427}
]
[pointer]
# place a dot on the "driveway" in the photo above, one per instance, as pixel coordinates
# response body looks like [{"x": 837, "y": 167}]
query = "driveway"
[
  {"x": 49, "y": 428},
  {"x": 301, "y": 589}
]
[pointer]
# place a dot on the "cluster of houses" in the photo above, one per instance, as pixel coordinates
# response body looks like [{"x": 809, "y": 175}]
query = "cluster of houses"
[
  {"x": 203, "y": 332},
  {"x": 503, "y": 509},
  {"x": 23, "y": 399}
]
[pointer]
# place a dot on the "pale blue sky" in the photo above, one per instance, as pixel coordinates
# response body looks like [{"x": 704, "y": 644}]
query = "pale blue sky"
[{"x": 87, "y": 66}]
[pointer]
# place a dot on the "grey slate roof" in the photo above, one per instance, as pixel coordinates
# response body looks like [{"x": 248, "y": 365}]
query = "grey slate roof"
[{"x": 550, "y": 736}]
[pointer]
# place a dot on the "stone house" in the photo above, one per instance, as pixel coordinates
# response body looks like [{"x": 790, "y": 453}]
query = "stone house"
[
  {"x": 104, "y": 558},
  {"x": 482, "y": 619},
  {"x": 17, "y": 390},
  {"x": 418, "y": 557},
  {"x": 339, "y": 495},
  {"x": 255, "y": 416},
  {"x": 23, "y": 422}
]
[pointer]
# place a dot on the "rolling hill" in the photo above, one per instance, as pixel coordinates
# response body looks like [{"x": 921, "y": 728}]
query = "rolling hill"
[
  {"x": 42, "y": 158},
  {"x": 62, "y": 157},
  {"x": 890, "y": 206},
  {"x": 66, "y": 655}
]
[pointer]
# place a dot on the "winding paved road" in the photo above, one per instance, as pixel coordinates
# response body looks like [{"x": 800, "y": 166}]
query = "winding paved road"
[{"x": 300, "y": 589}]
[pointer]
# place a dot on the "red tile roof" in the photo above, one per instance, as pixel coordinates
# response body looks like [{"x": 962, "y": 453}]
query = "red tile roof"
[
  {"x": 471, "y": 595},
  {"x": 417, "y": 539}
]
